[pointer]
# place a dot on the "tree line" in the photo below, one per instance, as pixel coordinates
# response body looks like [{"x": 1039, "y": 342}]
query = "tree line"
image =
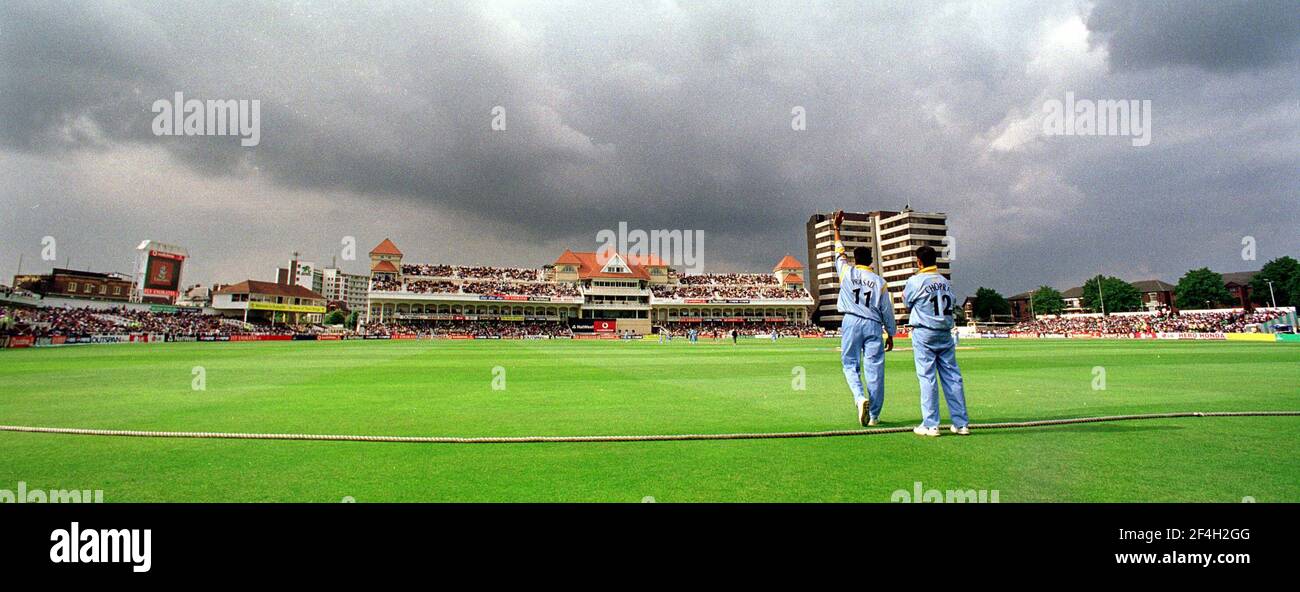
[{"x": 1197, "y": 289}]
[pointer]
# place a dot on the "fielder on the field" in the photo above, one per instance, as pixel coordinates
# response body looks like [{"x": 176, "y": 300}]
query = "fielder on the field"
[
  {"x": 929, "y": 296},
  {"x": 868, "y": 311}
]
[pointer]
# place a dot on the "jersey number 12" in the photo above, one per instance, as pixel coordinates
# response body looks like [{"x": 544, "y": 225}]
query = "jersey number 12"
[{"x": 946, "y": 308}]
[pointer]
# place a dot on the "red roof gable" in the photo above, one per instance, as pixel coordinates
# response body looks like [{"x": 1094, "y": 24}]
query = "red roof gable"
[
  {"x": 590, "y": 265},
  {"x": 792, "y": 278},
  {"x": 568, "y": 258},
  {"x": 789, "y": 263},
  {"x": 385, "y": 267},
  {"x": 385, "y": 248}
]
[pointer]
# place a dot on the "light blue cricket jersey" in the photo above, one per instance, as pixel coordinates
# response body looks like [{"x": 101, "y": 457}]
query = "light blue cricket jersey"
[
  {"x": 863, "y": 293},
  {"x": 929, "y": 296}
]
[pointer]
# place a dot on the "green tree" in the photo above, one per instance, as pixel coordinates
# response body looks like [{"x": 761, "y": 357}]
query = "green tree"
[
  {"x": 1047, "y": 300},
  {"x": 352, "y": 319},
  {"x": 1201, "y": 286},
  {"x": 335, "y": 317},
  {"x": 1285, "y": 275},
  {"x": 1117, "y": 295},
  {"x": 989, "y": 302}
]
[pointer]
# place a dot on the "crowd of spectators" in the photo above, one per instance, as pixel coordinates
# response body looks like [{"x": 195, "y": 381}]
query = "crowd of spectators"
[
  {"x": 472, "y": 272},
  {"x": 504, "y": 329},
  {"x": 84, "y": 322},
  {"x": 729, "y": 279},
  {"x": 721, "y": 330},
  {"x": 181, "y": 323},
  {"x": 427, "y": 270},
  {"x": 1235, "y": 321},
  {"x": 528, "y": 282},
  {"x": 432, "y": 287},
  {"x": 518, "y": 288},
  {"x": 522, "y": 289},
  {"x": 50, "y": 322},
  {"x": 729, "y": 291}
]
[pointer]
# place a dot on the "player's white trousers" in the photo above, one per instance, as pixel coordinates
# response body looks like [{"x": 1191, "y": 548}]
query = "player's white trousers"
[
  {"x": 863, "y": 352},
  {"x": 936, "y": 353}
]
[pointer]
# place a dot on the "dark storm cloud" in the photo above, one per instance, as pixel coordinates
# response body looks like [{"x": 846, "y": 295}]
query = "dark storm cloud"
[
  {"x": 1227, "y": 36},
  {"x": 659, "y": 114},
  {"x": 66, "y": 65}
]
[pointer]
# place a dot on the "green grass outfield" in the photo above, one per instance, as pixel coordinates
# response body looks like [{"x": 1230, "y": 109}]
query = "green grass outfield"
[{"x": 587, "y": 388}]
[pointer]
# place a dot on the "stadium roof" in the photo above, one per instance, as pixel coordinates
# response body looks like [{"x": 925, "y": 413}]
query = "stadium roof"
[
  {"x": 385, "y": 267},
  {"x": 385, "y": 248},
  {"x": 1239, "y": 277},
  {"x": 93, "y": 274},
  {"x": 269, "y": 289},
  {"x": 789, "y": 262},
  {"x": 590, "y": 265},
  {"x": 1145, "y": 286},
  {"x": 568, "y": 258}
]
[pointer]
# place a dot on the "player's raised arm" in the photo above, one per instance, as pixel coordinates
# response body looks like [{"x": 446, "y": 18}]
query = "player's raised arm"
[{"x": 841, "y": 261}]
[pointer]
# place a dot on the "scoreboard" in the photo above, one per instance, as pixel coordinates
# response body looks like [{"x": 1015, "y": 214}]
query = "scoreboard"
[{"x": 160, "y": 267}]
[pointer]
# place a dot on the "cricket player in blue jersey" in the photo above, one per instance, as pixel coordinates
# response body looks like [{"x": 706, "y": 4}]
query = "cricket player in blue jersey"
[
  {"x": 928, "y": 295},
  {"x": 868, "y": 312}
]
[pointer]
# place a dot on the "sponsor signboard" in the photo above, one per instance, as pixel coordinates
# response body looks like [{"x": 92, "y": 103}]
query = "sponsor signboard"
[
  {"x": 593, "y": 325},
  {"x": 275, "y": 306}
]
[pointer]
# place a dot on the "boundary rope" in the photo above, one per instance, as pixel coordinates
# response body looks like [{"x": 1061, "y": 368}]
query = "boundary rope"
[{"x": 616, "y": 438}]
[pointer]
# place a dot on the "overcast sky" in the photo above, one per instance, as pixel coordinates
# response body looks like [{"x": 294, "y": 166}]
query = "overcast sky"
[{"x": 376, "y": 122}]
